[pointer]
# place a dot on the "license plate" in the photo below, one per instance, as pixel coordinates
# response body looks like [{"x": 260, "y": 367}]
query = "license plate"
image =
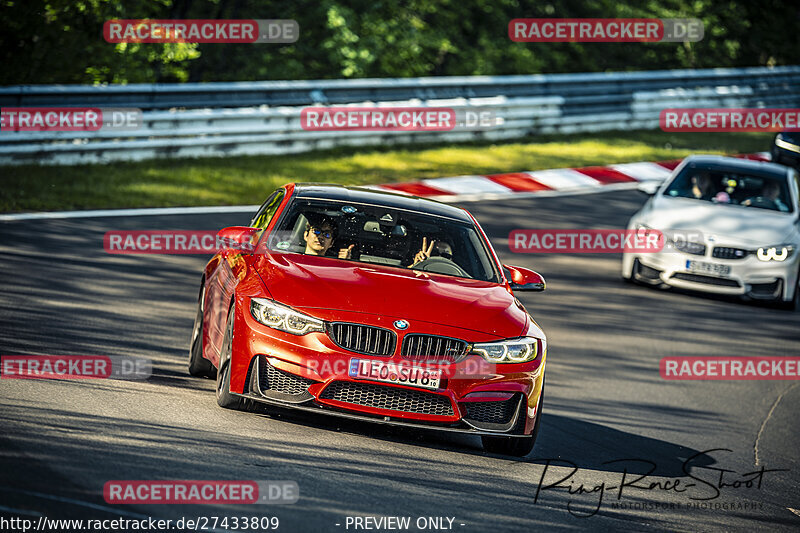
[
  {"x": 708, "y": 268},
  {"x": 400, "y": 374}
]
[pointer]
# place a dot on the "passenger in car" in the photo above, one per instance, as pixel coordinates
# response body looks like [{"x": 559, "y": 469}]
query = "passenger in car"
[
  {"x": 771, "y": 192},
  {"x": 702, "y": 187},
  {"x": 438, "y": 248}
]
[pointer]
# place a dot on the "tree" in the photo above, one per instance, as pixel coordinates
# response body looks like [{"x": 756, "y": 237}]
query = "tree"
[{"x": 60, "y": 41}]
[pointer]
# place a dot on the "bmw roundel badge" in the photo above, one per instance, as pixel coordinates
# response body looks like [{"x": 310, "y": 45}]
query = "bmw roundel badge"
[{"x": 401, "y": 324}]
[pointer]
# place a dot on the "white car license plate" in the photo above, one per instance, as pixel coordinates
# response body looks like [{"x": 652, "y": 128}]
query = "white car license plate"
[
  {"x": 400, "y": 374},
  {"x": 708, "y": 268}
]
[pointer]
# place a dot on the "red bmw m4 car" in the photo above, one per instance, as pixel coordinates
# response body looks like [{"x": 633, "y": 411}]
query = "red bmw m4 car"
[{"x": 374, "y": 306}]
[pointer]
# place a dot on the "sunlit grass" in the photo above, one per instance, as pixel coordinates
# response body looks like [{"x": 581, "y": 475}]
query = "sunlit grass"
[{"x": 248, "y": 179}]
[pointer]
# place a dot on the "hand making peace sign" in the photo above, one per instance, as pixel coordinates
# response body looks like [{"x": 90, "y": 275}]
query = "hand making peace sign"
[{"x": 426, "y": 251}]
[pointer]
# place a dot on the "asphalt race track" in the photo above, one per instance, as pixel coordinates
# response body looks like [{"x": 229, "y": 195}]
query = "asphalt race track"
[{"x": 605, "y": 400}]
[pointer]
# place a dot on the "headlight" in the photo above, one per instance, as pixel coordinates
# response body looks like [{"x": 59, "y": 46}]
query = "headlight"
[
  {"x": 284, "y": 318},
  {"x": 782, "y": 252},
  {"x": 519, "y": 350},
  {"x": 687, "y": 246},
  {"x": 686, "y": 241},
  {"x": 643, "y": 231}
]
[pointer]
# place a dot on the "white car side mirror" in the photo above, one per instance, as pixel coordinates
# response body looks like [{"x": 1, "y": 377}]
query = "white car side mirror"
[{"x": 649, "y": 187}]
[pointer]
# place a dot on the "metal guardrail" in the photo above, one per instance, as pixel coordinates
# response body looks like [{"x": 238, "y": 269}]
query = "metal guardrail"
[{"x": 221, "y": 119}]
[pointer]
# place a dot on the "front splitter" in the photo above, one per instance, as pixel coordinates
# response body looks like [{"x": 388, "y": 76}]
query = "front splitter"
[{"x": 388, "y": 420}]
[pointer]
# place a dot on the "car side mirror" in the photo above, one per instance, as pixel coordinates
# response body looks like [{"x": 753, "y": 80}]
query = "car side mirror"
[
  {"x": 523, "y": 279},
  {"x": 649, "y": 187},
  {"x": 237, "y": 239}
]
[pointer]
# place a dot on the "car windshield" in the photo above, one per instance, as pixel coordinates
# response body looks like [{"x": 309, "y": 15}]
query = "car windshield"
[
  {"x": 733, "y": 188},
  {"x": 384, "y": 236}
]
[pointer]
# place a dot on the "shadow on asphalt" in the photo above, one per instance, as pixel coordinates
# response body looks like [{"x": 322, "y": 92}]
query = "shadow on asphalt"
[{"x": 561, "y": 438}]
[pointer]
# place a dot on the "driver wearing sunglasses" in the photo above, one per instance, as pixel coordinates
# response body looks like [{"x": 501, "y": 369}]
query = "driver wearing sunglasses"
[{"x": 319, "y": 238}]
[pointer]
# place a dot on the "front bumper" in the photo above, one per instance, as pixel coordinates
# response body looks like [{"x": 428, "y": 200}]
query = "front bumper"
[
  {"x": 748, "y": 276},
  {"x": 512, "y": 410},
  {"x": 310, "y": 372}
]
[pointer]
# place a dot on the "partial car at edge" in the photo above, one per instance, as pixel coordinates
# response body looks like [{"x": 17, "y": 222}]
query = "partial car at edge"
[{"x": 786, "y": 149}]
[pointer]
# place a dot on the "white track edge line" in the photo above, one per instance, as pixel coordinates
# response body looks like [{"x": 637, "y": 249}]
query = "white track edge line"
[
  {"x": 147, "y": 211},
  {"x": 447, "y": 198},
  {"x": 154, "y": 211},
  {"x": 573, "y": 191}
]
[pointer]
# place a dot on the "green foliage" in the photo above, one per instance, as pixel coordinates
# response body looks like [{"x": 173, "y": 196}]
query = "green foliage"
[{"x": 60, "y": 41}]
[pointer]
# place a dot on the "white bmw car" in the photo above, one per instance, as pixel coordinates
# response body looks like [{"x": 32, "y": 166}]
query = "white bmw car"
[{"x": 730, "y": 226}]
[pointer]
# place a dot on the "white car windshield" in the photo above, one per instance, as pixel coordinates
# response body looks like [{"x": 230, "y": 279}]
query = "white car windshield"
[
  {"x": 384, "y": 236},
  {"x": 727, "y": 187}
]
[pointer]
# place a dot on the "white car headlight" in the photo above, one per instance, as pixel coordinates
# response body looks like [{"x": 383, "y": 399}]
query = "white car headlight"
[
  {"x": 782, "y": 252},
  {"x": 643, "y": 232},
  {"x": 519, "y": 350},
  {"x": 686, "y": 241},
  {"x": 275, "y": 315}
]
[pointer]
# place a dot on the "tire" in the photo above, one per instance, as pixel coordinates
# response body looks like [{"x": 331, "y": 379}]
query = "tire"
[
  {"x": 634, "y": 271},
  {"x": 794, "y": 303},
  {"x": 224, "y": 397},
  {"x": 627, "y": 277},
  {"x": 515, "y": 446},
  {"x": 199, "y": 366}
]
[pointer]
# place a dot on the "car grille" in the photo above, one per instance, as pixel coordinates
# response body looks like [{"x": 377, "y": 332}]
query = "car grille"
[
  {"x": 708, "y": 280},
  {"x": 362, "y": 339},
  {"x": 491, "y": 412},
  {"x": 433, "y": 348},
  {"x": 693, "y": 248},
  {"x": 723, "y": 252},
  {"x": 275, "y": 380},
  {"x": 382, "y": 397}
]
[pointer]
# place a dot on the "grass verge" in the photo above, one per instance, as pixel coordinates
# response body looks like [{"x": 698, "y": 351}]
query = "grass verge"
[{"x": 249, "y": 179}]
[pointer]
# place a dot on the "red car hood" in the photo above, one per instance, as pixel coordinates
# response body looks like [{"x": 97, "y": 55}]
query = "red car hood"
[{"x": 308, "y": 282}]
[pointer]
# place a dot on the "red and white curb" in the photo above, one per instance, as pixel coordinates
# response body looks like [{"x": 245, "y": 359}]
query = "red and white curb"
[
  {"x": 552, "y": 182},
  {"x": 547, "y": 182}
]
